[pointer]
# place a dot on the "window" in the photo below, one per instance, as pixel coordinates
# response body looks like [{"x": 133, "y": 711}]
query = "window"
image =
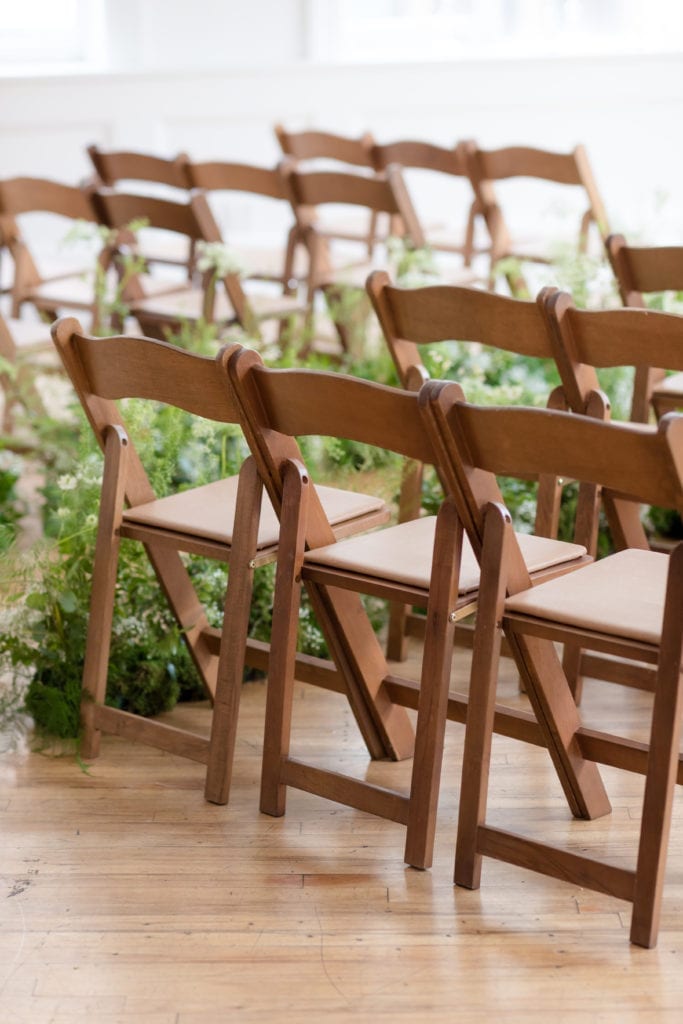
[
  {"x": 403, "y": 30},
  {"x": 51, "y": 32}
]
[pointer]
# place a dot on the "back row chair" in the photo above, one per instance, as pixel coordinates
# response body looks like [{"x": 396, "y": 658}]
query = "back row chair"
[
  {"x": 642, "y": 271},
  {"x": 485, "y": 171}
]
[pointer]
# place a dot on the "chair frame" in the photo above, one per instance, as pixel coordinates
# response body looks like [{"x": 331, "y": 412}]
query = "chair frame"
[
  {"x": 638, "y": 270},
  {"x": 102, "y": 371},
  {"x": 41, "y": 195},
  {"x": 454, "y": 161},
  {"x": 573, "y": 168},
  {"x": 276, "y": 405},
  {"x": 486, "y": 441}
]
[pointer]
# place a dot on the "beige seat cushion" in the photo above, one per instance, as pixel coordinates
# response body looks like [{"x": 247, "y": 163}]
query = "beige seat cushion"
[
  {"x": 209, "y": 511},
  {"x": 403, "y": 554},
  {"x": 29, "y": 335},
  {"x": 184, "y": 304},
  {"x": 76, "y": 292},
  {"x": 622, "y": 595},
  {"x": 187, "y": 305}
]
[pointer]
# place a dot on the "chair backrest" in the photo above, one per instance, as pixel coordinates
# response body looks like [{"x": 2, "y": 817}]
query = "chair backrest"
[
  {"x": 583, "y": 339},
  {"x": 385, "y": 193},
  {"x": 641, "y": 270},
  {"x": 217, "y": 175},
  {"x": 192, "y": 218},
  {"x": 279, "y": 405},
  {"x": 573, "y": 169},
  {"x": 411, "y": 317},
  {"x": 421, "y": 155},
  {"x": 40, "y": 195},
  {"x": 105, "y": 370},
  {"x": 319, "y": 145},
  {"x": 113, "y": 166},
  {"x": 477, "y": 443}
]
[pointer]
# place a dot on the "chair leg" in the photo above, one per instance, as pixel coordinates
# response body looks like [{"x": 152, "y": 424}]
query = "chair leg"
[
  {"x": 234, "y": 639},
  {"x": 662, "y": 765},
  {"x": 283, "y": 638},
  {"x": 435, "y": 678},
  {"x": 482, "y": 697},
  {"x": 98, "y": 641},
  {"x": 396, "y": 631}
]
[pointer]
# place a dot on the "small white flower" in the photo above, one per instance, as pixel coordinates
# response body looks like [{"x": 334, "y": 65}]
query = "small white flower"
[
  {"x": 219, "y": 257},
  {"x": 91, "y": 520},
  {"x": 67, "y": 482}
]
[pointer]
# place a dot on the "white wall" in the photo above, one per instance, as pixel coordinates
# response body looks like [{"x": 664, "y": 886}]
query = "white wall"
[{"x": 215, "y": 83}]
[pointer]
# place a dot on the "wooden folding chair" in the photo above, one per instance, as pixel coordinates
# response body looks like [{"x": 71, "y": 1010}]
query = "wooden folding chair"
[
  {"x": 628, "y": 604},
  {"x": 642, "y": 270},
  {"x": 311, "y": 190},
  {"x": 248, "y": 179},
  {"x": 311, "y": 150},
  {"x": 413, "y": 562},
  {"x": 166, "y": 177},
  {"x": 522, "y": 162},
  {"x": 219, "y": 300},
  {"x": 221, "y": 520},
  {"x": 434, "y": 164},
  {"x": 413, "y": 317},
  {"x": 68, "y": 285}
]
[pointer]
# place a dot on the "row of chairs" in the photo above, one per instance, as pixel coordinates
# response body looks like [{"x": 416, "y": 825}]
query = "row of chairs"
[
  {"x": 481, "y": 169},
  {"x": 535, "y": 590},
  {"x": 163, "y": 306}
]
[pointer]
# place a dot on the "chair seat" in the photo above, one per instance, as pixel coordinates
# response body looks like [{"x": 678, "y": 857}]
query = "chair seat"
[
  {"x": 73, "y": 292},
  {"x": 30, "y": 336},
  {"x": 622, "y": 595},
  {"x": 209, "y": 511},
  {"x": 670, "y": 386},
  {"x": 403, "y": 554},
  {"x": 187, "y": 305}
]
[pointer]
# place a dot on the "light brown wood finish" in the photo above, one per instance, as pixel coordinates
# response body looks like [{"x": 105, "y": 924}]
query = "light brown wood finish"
[
  {"x": 62, "y": 291},
  {"x": 124, "y": 169},
  {"x": 104, "y": 370},
  {"x": 642, "y": 270},
  {"x": 585, "y": 339},
  {"x": 452, "y": 161},
  {"x": 413, "y": 317},
  {"x": 311, "y": 191},
  {"x": 191, "y": 906},
  {"x": 278, "y": 405},
  {"x": 250, "y": 179},
  {"x": 513, "y": 441},
  {"x": 316, "y": 149},
  {"x": 220, "y": 300},
  {"x": 572, "y": 169}
]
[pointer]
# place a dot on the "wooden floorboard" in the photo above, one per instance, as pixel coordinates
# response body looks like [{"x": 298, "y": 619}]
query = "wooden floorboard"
[{"x": 124, "y": 897}]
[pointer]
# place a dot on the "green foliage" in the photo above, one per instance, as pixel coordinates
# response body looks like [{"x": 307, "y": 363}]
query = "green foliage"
[{"x": 47, "y": 590}]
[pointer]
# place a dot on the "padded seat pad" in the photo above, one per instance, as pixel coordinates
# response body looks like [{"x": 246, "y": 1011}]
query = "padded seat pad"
[
  {"x": 403, "y": 554},
  {"x": 622, "y": 595},
  {"x": 187, "y": 305},
  {"x": 209, "y": 511}
]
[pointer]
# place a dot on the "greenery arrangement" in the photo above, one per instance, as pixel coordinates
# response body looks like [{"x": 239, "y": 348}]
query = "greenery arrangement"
[{"x": 46, "y": 590}]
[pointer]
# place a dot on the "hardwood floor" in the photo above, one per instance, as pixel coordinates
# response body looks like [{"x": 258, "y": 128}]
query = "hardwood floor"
[{"x": 124, "y": 897}]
